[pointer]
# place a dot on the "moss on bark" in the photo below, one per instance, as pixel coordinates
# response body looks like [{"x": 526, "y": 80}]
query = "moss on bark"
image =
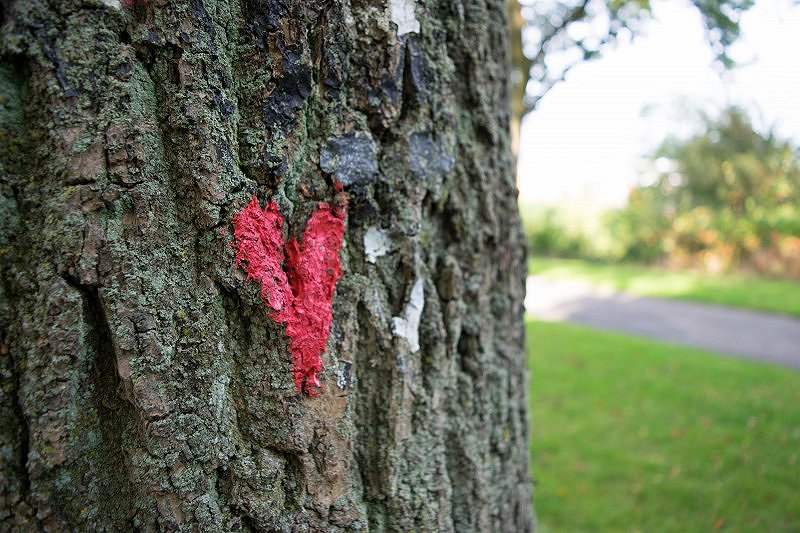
[{"x": 143, "y": 383}]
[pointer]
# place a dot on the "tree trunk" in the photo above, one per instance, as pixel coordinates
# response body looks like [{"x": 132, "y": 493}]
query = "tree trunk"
[{"x": 145, "y": 383}]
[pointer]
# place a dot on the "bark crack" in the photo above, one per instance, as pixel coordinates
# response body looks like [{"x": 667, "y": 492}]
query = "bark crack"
[
  {"x": 23, "y": 431},
  {"x": 116, "y": 415}
]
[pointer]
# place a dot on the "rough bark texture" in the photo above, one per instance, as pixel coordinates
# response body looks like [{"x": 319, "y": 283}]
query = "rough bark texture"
[{"x": 143, "y": 383}]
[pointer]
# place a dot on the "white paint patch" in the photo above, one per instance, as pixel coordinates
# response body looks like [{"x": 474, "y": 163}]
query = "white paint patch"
[
  {"x": 407, "y": 326},
  {"x": 403, "y": 15},
  {"x": 376, "y": 243},
  {"x": 112, "y": 3}
]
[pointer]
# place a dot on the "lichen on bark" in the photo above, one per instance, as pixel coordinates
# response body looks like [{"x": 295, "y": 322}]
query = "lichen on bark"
[{"x": 143, "y": 384}]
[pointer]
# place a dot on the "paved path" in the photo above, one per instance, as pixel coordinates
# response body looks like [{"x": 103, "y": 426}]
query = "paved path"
[{"x": 750, "y": 334}]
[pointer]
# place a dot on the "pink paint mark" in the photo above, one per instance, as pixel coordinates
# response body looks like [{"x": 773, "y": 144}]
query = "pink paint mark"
[{"x": 302, "y": 299}]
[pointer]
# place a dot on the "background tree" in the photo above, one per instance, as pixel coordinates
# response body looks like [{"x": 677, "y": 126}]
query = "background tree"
[
  {"x": 550, "y": 38},
  {"x": 144, "y": 383},
  {"x": 724, "y": 197}
]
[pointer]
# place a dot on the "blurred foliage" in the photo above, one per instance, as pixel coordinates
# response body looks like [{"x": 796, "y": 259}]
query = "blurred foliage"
[
  {"x": 569, "y": 232},
  {"x": 548, "y": 234},
  {"x": 550, "y": 37},
  {"x": 725, "y": 198}
]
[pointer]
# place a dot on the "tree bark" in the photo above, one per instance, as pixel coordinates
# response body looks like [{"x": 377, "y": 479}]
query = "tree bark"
[{"x": 144, "y": 383}]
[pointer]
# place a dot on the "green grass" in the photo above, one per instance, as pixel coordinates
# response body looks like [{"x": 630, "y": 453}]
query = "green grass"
[
  {"x": 635, "y": 435},
  {"x": 774, "y": 295}
]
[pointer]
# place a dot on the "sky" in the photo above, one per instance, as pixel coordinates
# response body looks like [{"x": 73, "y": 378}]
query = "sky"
[{"x": 585, "y": 141}]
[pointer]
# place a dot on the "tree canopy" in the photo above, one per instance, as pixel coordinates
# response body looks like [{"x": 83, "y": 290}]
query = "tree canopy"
[
  {"x": 557, "y": 35},
  {"x": 725, "y": 196}
]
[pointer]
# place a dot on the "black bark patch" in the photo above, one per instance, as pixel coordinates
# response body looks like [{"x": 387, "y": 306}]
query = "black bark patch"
[
  {"x": 422, "y": 75},
  {"x": 352, "y": 158},
  {"x": 344, "y": 379},
  {"x": 427, "y": 156},
  {"x": 264, "y": 17},
  {"x": 50, "y": 50},
  {"x": 225, "y": 106},
  {"x": 200, "y": 14},
  {"x": 291, "y": 90},
  {"x": 333, "y": 74}
]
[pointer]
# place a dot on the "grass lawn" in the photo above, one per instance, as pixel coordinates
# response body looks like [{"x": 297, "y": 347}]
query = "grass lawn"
[
  {"x": 739, "y": 291},
  {"x": 635, "y": 435}
]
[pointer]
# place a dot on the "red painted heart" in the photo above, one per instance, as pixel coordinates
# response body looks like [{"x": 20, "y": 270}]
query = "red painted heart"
[{"x": 301, "y": 296}]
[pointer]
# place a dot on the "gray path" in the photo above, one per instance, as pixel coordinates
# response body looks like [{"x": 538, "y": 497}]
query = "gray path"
[{"x": 750, "y": 334}]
